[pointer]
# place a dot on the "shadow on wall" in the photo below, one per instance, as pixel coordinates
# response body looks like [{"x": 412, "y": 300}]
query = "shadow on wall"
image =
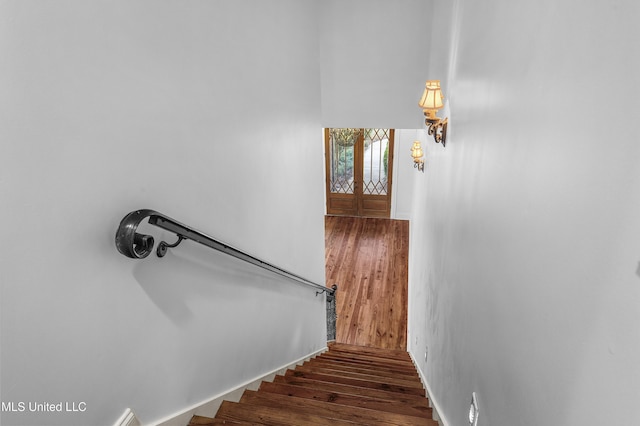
[{"x": 191, "y": 277}]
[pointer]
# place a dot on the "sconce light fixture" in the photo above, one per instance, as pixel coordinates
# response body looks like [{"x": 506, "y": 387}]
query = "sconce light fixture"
[
  {"x": 430, "y": 103},
  {"x": 416, "y": 153}
]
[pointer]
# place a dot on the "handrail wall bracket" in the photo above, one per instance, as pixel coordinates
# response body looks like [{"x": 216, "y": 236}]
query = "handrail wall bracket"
[
  {"x": 330, "y": 291},
  {"x": 163, "y": 246}
]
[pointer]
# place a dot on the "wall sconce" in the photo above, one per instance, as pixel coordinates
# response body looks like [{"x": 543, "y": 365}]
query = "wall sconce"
[
  {"x": 416, "y": 153},
  {"x": 430, "y": 103}
]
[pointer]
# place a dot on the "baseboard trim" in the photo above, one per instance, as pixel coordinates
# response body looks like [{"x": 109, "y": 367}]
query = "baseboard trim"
[
  {"x": 210, "y": 406},
  {"x": 128, "y": 418},
  {"x": 437, "y": 412}
]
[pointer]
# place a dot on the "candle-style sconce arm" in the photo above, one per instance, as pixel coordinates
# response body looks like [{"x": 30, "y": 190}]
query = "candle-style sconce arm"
[{"x": 437, "y": 128}]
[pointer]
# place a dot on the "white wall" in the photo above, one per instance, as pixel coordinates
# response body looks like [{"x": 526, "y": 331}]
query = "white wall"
[
  {"x": 206, "y": 111},
  {"x": 372, "y": 63},
  {"x": 403, "y": 174},
  {"x": 373, "y": 73},
  {"x": 525, "y": 279}
]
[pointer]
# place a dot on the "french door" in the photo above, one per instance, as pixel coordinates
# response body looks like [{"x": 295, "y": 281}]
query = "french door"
[{"x": 359, "y": 170}]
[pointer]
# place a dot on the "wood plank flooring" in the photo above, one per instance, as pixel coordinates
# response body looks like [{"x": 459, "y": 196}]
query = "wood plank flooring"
[{"x": 368, "y": 259}]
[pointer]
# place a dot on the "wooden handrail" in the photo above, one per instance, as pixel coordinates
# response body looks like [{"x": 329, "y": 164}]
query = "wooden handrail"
[{"x": 138, "y": 246}]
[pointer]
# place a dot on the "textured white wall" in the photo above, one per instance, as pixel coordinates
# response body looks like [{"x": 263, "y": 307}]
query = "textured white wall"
[
  {"x": 206, "y": 111},
  {"x": 373, "y": 62},
  {"x": 403, "y": 173},
  {"x": 525, "y": 281}
]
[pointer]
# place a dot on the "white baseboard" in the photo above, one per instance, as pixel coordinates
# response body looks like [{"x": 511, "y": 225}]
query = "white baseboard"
[
  {"x": 437, "y": 412},
  {"x": 128, "y": 418},
  {"x": 210, "y": 406}
]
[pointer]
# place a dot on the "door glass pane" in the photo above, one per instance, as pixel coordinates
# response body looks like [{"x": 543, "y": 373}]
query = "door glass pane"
[
  {"x": 376, "y": 161},
  {"x": 341, "y": 143}
]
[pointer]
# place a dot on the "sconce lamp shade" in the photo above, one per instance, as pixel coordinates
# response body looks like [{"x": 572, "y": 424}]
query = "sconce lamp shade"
[
  {"x": 431, "y": 100},
  {"x": 416, "y": 150},
  {"x": 417, "y": 154}
]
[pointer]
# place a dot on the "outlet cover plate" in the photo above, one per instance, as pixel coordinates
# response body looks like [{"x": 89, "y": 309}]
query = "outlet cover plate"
[{"x": 473, "y": 410}]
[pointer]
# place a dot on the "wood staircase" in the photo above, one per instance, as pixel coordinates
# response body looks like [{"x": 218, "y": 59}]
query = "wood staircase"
[{"x": 347, "y": 385}]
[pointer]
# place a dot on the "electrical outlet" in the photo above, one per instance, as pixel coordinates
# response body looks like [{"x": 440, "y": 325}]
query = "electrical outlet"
[
  {"x": 473, "y": 410},
  {"x": 426, "y": 353}
]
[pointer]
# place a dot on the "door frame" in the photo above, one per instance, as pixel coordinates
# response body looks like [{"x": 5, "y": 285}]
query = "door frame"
[{"x": 358, "y": 203}]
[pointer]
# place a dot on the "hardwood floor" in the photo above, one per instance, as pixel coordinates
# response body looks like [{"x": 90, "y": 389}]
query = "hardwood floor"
[{"x": 367, "y": 258}]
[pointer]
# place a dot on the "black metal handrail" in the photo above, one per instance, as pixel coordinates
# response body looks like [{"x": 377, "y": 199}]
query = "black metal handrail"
[{"x": 138, "y": 246}]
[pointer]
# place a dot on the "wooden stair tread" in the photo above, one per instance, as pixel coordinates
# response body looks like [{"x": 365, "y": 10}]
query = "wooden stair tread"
[
  {"x": 357, "y": 382},
  {"x": 349, "y": 413},
  {"x": 353, "y": 390},
  {"x": 337, "y": 363},
  {"x": 368, "y": 360},
  {"x": 208, "y": 421},
  {"x": 273, "y": 416},
  {"x": 387, "y": 405},
  {"x": 381, "y": 371},
  {"x": 370, "y": 376},
  {"x": 380, "y": 352},
  {"x": 347, "y": 385}
]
